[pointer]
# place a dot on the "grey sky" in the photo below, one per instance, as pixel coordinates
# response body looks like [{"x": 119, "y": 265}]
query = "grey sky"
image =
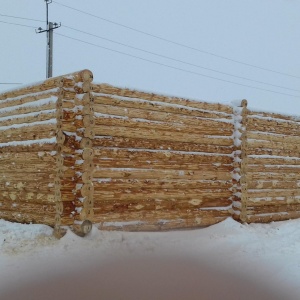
[{"x": 265, "y": 33}]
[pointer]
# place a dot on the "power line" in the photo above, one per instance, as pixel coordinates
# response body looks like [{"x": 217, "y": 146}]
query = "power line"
[
  {"x": 15, "y": 17},
  {"x": 176, "y": 43},
  {"x": 17, "y": 24},
  {"x": 181, "y": 61},
  {"x": 175, "y": 68}
]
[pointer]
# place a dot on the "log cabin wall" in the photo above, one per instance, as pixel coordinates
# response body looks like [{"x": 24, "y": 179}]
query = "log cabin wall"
[
  {"x": 40, "y": 133},
  {"x": 160, "y": 162},
  {"x": 271, "y": 167}
]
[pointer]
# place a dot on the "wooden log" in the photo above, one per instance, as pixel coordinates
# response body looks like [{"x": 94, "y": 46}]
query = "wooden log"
[
  {"x": 273, "y": 145},
  {"x": 196, "y": 196},
  {"x": 274, "y": 168},
  {"x": 27, "y": 185},
  {"x": 160, "y": 174},
  {"x": 35, "y": 208},
  {"x": 116, "y": 184},
  {"x": 274, "y": 184},
  {"x": 28, "y": 109},
  {"x": 167, "y": 165},
  {"x": 161, "y": 135},
  {"x": 273, "y": 193},
  {"x": 120, "y": 142},
  {"x": 29, "y": 98},
  {"x": 281, "y": 138},
  {"x": 134, "y": 113},
  {"x": 107, "y": 89},
  {"x": 158, "y": 106},
  {"x": 275, "y": 152},
  {"x": 18, "y": 176},
  {"x": 43, "y": 147},
  {"x": 38, "y": 156},
  {"x": 272, "y": 176},
  {"x": 271, "y": 126},
  {"x": 273, "y": 217},
  {"x": 270, "y": 209},
  {"x": 170, "y": 127},
  {"x": 33, "y": 197},
  {"x": 273, "y": 201},
  {"x": 272, "y": 161},
  {"x": 159, "y": 155},
  {"x": 42, "y": 116},
  {"x": 28, "y": 167},
  {"x": 274, "y": 116},
  {"x": 27, "y": 133}
]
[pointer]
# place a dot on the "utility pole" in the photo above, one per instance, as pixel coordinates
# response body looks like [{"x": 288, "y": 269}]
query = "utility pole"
[{"x": 50, "y": 27}]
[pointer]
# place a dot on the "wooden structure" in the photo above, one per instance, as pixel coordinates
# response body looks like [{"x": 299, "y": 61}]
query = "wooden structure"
[{"x": 72, "y": 150}]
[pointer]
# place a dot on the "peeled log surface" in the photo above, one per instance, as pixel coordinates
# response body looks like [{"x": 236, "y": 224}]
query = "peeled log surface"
[
  {"x": 273, "y": 145},
  {"x": 273, "y": 193},
  {"x": 258, "y": 210},
  {"x": 191, "y": 217},
  {"x": 42, "y": 116},
  {"x": 272, "y": 201},
  {"x": 29, "y": 98},
  {"x": 273, "y": 217},
  {"x": 196, "y": 196},
  {"x": 28, "y": 167},
  {"x": 49, "y": 147},
  {"x": 167, "y": 165},
  {"x": 157, "y": 106},
  {"x": 272, "y": 137},
  {"x": 273, "y": 184},
  {"x": 36, "y": 156},
  {"x": 170, "y": 127},
  {"x": 108, "y": 89},
  {"x": 120, "y": 142},
  {"x": 273, "y": 115},
  {"x": 157, "y": 115},
  {"x": 274, "y": 168},
  {"x": 35, "y": 176},
  {"x": 290, "y": 129},
  {"x": 272, "y": 161},
  {"x": 26, "y": 133},
  {"x": 29, "y": 109},
  {"x": 36, "y": 208},
  {"x": 31, "y": 197},
  {"x": 161, "y": 155},
  {"x": 161, "y": 174},
  {"x": 272, "y": 176},
  {"x": 116, "y": 184},
  {"x": 274, "y": 152},
  {"x": 161, "y": 135}
]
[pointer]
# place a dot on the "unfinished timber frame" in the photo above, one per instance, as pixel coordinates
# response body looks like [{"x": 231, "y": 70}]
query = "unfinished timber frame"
[{"x": 74, "y": 151}]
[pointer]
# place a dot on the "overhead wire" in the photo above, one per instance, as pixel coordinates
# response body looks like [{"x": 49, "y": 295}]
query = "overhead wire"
[
  {"x": 174, "y": 42},
  {"x": 23, "y": 25},
  {"x": 174, "y": 68},
  {"x": 178, "y": 60},
  {"x": 15, "y": 17}
]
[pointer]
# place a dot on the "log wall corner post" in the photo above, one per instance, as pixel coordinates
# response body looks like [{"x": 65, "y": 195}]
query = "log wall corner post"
[
  {"x": 71, "y": 131},
  {"x": 240, "y": 162}
]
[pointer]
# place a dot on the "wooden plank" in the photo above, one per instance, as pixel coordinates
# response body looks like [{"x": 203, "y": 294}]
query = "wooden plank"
[
  {"x": 221, "y": 130},
  {"x": 157, "y": 106},
  {"x": 159, "y": 155},
  {"x": 141, "y": 143},
  {"x": 116, "y": 184},
  {"x": 160, "y": 174},
  {"x": 107, "y": 89},
  {"x": 161, "y": 135}
]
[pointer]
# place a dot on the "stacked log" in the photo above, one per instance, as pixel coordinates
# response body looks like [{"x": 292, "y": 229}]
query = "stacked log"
[
  {"x": 273, "y": 168},
  {"x": 38, "y": 145},
  {"x": 160, "y": 162}
]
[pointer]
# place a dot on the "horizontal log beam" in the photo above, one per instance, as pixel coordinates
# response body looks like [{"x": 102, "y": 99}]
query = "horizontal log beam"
[
  {"x": 273, "y": 184},
  {"x": 107, "y": 89},
  {"x": 141, "y": 143}
]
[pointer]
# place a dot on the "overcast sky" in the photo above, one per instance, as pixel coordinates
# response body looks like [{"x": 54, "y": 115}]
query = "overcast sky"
[{"x": 263, "y": 33}]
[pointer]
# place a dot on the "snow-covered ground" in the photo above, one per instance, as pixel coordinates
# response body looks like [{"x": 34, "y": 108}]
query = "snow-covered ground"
[{"x": 269, "y": 253}]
